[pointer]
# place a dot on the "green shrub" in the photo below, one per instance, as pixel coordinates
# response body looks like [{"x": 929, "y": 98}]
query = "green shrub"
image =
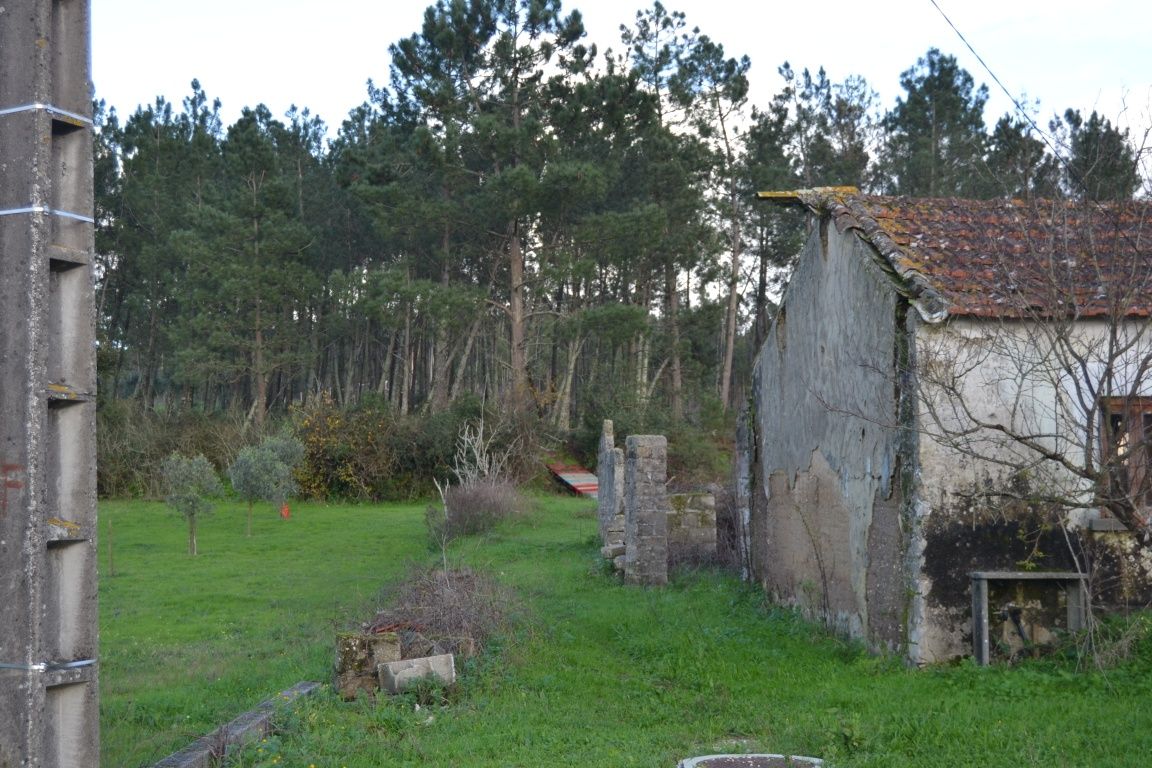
[
  {"x": 132, "y": 442},
  {"x": 699, "y": 450}
]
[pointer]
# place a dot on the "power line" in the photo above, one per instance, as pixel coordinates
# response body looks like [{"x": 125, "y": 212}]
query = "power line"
[
  {"x": 1044, "y": 135},
  {"x": 1019, "y": 107}
]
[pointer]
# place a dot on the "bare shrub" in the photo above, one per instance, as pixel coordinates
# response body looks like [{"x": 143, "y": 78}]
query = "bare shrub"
[
  {"x": 727, "y": 526},
  {"x": 436, "y": 611},
  {"x": 475, "y": 507}
]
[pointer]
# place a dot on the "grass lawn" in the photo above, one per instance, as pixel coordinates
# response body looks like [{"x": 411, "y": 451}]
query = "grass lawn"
[
  {"x": 188, "y": 643},
  {"x": 598, "y": 675}
]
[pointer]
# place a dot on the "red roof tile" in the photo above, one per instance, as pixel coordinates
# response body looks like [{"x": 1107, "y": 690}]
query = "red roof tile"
[{"x": 1004, "y": 258}]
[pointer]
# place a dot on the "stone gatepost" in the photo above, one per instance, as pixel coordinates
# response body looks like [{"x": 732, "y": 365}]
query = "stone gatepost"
[
  {"x": 646, "y": 510},
  {"x": 49, "y": 714},
  {"x": 610, "y": 496}
]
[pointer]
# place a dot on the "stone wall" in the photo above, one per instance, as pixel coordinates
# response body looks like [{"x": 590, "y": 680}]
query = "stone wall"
[
  {"x": 610, "y": 497},
  {"x": 691, "y": 528},
  {"x": 636, "y": 490},
  {"x": 646, "y": 510}
]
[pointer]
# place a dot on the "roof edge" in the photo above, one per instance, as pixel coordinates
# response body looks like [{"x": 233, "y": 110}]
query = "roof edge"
[{"x": 841, "y": 205}]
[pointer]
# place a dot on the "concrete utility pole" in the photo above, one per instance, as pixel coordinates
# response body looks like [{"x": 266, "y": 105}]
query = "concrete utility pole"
[{"x": 48, "y": 620}]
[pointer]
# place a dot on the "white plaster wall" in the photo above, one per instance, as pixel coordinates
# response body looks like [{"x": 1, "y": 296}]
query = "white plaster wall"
[{"x": 1035, "y": 380}]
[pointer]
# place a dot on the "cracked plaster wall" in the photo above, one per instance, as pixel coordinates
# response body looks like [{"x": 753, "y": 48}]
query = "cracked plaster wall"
[{"x": 825, "y": 527}]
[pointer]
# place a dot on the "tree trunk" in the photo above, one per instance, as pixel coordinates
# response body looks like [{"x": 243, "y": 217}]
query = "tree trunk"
[
  {"x": 192, "y": 534},
  {"x": 519, "y": 353},
  {"x": 465, "y": 354},
  {"x": 730, "y": 329},
  {"x": 261, "y": 375},
  {"x": 672, "y": 305},
  {"x": 563, "y": 418},
  {"x": 406, "y": 368}
]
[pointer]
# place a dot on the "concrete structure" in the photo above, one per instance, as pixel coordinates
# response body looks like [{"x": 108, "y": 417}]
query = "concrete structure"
[
  {"x": 751, "y": 761},
  {"x": 930, "y": 365},
  {"x": 610, "y": 496},
  {"x": 48, "y": 619},
  {"x": 646, "y": 510},
  {"x": 211, "y": 750},
  {"x": 399, "y": 676}
]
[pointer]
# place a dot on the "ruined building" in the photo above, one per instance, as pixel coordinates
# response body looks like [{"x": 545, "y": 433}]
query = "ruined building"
[{"x": 946, "y": 449}]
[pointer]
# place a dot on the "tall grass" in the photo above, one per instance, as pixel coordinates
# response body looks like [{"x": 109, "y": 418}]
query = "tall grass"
[
  {"x": 608, "y": 675},
  {"x": 188, "y": 643}
]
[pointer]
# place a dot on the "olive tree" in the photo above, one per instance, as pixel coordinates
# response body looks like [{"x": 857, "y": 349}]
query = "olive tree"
[
  {"x": 264, "y": 472},
  {"x": 191, "y": 482}
]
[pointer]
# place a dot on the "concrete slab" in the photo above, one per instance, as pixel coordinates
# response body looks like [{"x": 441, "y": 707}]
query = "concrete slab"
[
  {"x": 398, "y": 676},
  {"x": 209, "y": 751},
  {"x": 751, "y": 761}
]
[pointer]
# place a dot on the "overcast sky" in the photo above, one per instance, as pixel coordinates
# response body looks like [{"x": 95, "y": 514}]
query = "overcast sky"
[{"x": 1066, "y": 53}]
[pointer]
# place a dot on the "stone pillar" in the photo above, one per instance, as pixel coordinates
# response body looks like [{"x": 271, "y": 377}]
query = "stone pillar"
[
  {"x": 610, "y": 496},
  {"x": 646, "y": 510},
  {"x": 48, "y": 620}
]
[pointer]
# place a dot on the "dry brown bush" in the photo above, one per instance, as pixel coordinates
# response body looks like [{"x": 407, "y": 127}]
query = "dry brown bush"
[
  {"x": 436, "y": 611},
  {"x": 475, "y": 507}
]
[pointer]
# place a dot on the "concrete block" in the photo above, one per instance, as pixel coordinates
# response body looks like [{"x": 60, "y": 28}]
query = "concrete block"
[
  {"x": 612, "y": 551},
  {"x": 211, "y": 750},
  {"x": 385, "y": 647},
  {"x": 398, "y": 676}
]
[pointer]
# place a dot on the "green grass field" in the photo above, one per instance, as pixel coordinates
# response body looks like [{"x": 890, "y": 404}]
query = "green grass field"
[
  {"x": 597, "y": 674},
  {"x": 188, "y": 643}
]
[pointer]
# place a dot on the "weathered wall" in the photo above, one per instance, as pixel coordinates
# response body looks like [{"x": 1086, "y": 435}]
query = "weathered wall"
[
  {"x": 49, "y": 713},
  {"x": 826, "y": 504},
  {"x": 691, "y": 527},
  {"x": 646, "y": 510},
  {"x": 1008, "y": 373},
  {"x": 610, "y": 497}
]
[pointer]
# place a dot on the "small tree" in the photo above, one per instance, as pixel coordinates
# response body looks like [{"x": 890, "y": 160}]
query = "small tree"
[
  {"x": 191, "y": 482},
  {"x": 264, "y": 472}
]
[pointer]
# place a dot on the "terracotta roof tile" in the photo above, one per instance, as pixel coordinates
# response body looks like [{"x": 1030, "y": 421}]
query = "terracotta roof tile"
[{"x": 1005, "y": 258}]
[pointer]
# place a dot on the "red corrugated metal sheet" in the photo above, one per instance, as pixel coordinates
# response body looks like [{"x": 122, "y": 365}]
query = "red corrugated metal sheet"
[{"x": 578, "y": 479}]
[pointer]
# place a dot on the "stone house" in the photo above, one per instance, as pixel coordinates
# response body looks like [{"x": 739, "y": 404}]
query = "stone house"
[{"x": 949, "y": 410}]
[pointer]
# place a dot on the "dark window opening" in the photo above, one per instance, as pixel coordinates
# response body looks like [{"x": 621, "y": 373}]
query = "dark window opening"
[{"x": 1127, "y": 447}]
